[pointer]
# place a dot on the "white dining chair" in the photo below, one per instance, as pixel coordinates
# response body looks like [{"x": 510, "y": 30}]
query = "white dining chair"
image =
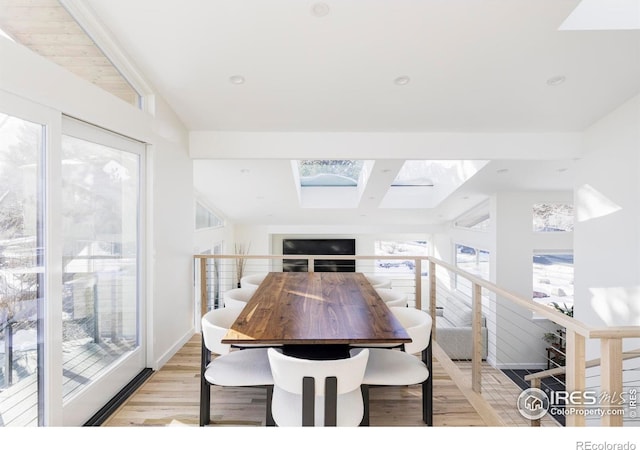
[
  {"x": 238, "y": 297},
  {"x": 392, "y": 297},
  {"x": 252, "y": 281},
  {"x": 402, "y": 367},
  {"x": 317, "y": 392},
  {"x": 240, "y": 367},
  {"x": 379, "y": 282}
]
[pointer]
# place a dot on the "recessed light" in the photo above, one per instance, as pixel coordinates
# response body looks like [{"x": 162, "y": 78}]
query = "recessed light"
[
  {"x": 320, "y": 9},
  {"x": 385, "y": 170},
  {"x": 236, "y": 79},
  {"x": 402, "y": 81},
  {"x": 244, "y": 171},
  {"x": 556, "y": 81},
  {"x": 502, "y": 170},
  {"x": 562, "y": 169},
  {"x": 466, "y": 197}
]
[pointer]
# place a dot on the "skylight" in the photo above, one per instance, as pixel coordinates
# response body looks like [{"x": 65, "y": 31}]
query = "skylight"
[
  {"x": 329, "y": 172},
  {"x": 414, "y": 173}
]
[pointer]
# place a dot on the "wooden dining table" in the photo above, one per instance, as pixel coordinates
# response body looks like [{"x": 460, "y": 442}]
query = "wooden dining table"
[{"x": 316, "y": 315}]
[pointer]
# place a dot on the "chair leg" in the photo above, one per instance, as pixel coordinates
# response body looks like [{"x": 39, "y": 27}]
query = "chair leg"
[
  {"x": 330, "y": 402},
  {"x": 269, "y": 420},
  {"x": 205, "y": 403},
  {"x": 427, "y": 387},
  {"x": 308, "y": 401},
  {"x": 205, "y": 389},
  {"x": 365, "y": 399},
  {"x": 427, "y": 401}
]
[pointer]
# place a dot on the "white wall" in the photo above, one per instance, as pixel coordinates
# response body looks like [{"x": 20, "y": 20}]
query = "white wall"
[
  {"x": 607, "y": 232},
  {"x": 170, "y": 215}
]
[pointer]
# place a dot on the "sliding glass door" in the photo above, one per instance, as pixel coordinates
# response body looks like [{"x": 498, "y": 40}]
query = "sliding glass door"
[
  {"x": 101, "y": 262},
  {"x": 21, "y": 268},
  {"x": 71, "y": 265}
]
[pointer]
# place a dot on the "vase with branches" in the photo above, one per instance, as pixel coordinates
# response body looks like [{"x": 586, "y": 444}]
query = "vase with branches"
[{"x": 240, "y": 251}]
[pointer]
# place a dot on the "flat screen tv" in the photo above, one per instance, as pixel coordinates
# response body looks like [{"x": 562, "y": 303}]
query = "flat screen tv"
[{"x": 319, "y": 247}]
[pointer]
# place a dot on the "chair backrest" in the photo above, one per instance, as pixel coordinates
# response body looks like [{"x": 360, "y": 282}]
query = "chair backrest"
[
  {"x": 215, "y": 325},
  {"x": 288, "y": 372},
  {"x": 238, "y": 297},
  {"x": 418, "y": 325},
  {"x": 392, "y": 297},
  {"x": 252, "y": 281},
  {"x": 379, "y": 282}
]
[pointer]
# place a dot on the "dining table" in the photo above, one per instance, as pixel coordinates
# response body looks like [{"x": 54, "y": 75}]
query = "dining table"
[{"x": 316, "y": 315}]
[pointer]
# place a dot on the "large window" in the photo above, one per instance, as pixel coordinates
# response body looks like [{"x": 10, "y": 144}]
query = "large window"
[
  {"x": 21, "y": 270},
  {"x": 553, "y": 279},
  {"x": 552, "y": 217},
  {"x": 398, "y": 249},
  {"x": 71, "y": 215},
  {"x": 472, "y": 260},
  {"x": 101, "y": 194}
]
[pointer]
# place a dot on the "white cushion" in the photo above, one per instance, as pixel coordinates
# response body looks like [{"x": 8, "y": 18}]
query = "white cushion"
[
  {"x": 387, "y": 367},
  {"x": 458, "y": 312},
  {"x": 248, "y": 367}
]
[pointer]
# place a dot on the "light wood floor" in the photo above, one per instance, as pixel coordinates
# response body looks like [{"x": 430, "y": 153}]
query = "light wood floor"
[{"x": 170, "y": 397}]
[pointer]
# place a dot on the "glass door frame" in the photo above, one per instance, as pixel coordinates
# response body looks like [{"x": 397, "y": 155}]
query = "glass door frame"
[{"x": 53, "y": 410}]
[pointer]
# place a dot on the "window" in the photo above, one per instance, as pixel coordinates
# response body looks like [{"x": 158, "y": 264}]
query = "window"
[
  {"x": 399, "y": 249},
  {"x": 478, "y": 219},
  {"x": 21, "y": 270},
  {"x": 329, "y": 173},
  {"x": 553, "y": 279},
  {"x": 206, "y": 219},
  {"x": 472, "y": 260},
  {"x": 552, "y": 217},
  {"x": 101, "y": 192}
]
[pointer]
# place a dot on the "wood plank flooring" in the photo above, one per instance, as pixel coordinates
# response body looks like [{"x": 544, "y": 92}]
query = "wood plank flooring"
[{"x": 170, "y": 397}]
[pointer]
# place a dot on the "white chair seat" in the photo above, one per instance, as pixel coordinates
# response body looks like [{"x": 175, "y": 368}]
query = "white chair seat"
[
  {"x": 287, "y": 407},
  {"x": 252, "y": 281},
  {"x": 387, "y": 367},
  {"x": 238, "y": 297},
  {"x": 379, "y": 282},
  {"x": 248, "y": 367},
  {"x": 392, "y": 297}
]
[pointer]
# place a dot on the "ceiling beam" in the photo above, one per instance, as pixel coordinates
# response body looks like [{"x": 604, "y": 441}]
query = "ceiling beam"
[{"x": 313, "y": 145}]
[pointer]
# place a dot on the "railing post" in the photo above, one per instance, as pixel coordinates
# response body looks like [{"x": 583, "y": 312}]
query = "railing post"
[
  {"x": 432, "y": 297},
  {"x": 311, "y": 262},
  {"x": 476, "y": 331},
  {"x": 611, "y": 380},
  {"x": 418, "y": 280},
  {"x": 537, "y": 384},
  {"x": 203, "y": 286},
  {"x": 575, "y": 373}
]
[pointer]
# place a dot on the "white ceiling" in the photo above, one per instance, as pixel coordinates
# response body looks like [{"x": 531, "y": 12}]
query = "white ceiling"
[{"x": 474, "y": 66}]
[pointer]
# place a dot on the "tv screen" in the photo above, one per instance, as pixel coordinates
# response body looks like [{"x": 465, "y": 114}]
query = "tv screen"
[{"x": 319, "y": 247}]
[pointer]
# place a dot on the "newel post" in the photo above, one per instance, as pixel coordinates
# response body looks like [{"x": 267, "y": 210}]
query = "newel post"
[
  {"x": 611, "y": 380},
  {"x": 575, "y": 373}
]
